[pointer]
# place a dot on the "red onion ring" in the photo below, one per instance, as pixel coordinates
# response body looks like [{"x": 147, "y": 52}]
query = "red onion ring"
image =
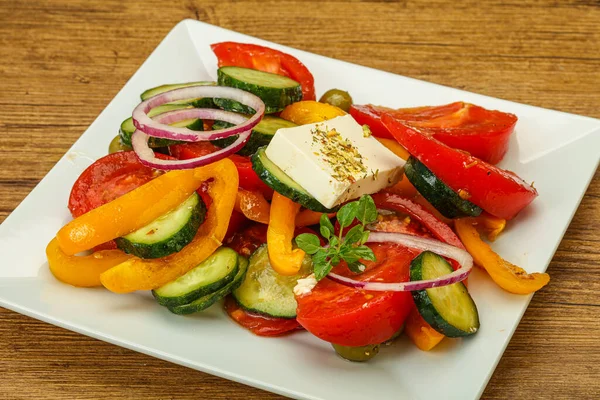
[
  {"x": 155, "y": 128},
  {"x": 139, "y": 142},
  {"x": 171, "y": 117},
  {"x": 414, "y": 242}
]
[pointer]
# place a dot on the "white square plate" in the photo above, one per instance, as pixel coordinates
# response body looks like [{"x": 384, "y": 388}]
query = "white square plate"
[{"x": 558, "y": 151}]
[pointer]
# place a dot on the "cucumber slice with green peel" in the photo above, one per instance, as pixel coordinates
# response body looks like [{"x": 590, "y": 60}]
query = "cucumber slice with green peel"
[
  {"x": 127, "y": 128},
  {"x": 201, "y": 102},
  {"x": 204, "y": 302},
  {"x": 209, "y": 276},
  {"x": 261, "y": 134},
  {"x": 275, "y": 91},
  {"x": 444, "y": 199},
  {"x": 265, "y": 291},
  {"x": 279, "y": 181},
  {"x": 165, "y": 88},
  {"x": 449, "y": 309},
  {"x": 233, "y": 106},
  {"x": 167, "y": 234}
]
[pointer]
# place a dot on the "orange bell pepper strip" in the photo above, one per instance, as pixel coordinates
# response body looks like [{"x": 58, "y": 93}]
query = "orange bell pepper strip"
[
  {"x": 129, "y": 212},
  {"x": 310, "y": 111},
  {"x": 420, "y": 332},
  {"x": 253, "y": 205},
  {"x": 508, "y": 276},
  {"x": 82, "y": 271},
  {"x": 284, "y": 259},
  {"x": 309, "y": 217},
  {"x": 146, "y": 274},
  {"x": 395, "y": 148},
  {"x": 490, "y": 225},
  {"x": 403, "y": 188}
]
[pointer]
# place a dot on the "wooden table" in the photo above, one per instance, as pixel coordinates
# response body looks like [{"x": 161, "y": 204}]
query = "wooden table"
[{"x": 62, "y": 61}]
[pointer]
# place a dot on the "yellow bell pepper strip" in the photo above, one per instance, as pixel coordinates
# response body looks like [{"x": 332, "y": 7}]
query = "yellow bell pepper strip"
[
  {"x": 309, "y": 111},
  {"x": 395, "y": 148},
  {"x": 420, "y": 332},
  {"x": 82, "y": 271},
  {"x": 129, "y": 212},
  {"x": 508, "y": 276},
  {"x": 284, "y": 259},
  {"x": 253, "y": 205},
  {"x": 490, "y": 225},
  {"x": 146, "y": 274}
]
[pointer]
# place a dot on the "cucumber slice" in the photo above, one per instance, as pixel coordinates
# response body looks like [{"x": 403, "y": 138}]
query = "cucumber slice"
[
  {"x": 206, "y": 301},
  {"x": 265, "y": 291},
  {"x": 276, "y": 91},
  {"x": 449, "y": 309},
  {"x": 127, "y": 127},
  {"x": 261, "y": 134},
  {"x": 279, "y": 181},
  {"x": 209, "y": 276},
  {"x": 444, "y": 199},
  {"x": 165, "y": 88},
  {"x": 167, "y": 234},
  {"x": 232, "y": 105}
]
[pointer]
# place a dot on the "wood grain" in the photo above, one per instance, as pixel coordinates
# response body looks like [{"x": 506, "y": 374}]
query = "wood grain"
[{"x": 62, "y": 61}]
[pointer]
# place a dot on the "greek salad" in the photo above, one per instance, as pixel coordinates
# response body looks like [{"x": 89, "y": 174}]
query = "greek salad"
[{"x": 355, "y": 222}]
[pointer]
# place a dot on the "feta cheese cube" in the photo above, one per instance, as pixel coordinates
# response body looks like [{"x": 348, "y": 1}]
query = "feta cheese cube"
[{"x": 335, "y": 161}]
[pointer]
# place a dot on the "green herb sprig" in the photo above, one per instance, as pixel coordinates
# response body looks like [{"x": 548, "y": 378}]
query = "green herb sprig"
[{"x": 351, "y": 247}]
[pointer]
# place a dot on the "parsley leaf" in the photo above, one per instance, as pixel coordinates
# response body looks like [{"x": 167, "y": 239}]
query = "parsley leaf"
[
  {"x": 354, "y": 234},
  {"x": 365, "y": 253},
  {"x": 308, "y": 242},
  {"x": 357, "y": 267},
  {"x": 347, "y": 213},
  {"x": 367, "y": 210},
  {"x": 350, "y": 248}
]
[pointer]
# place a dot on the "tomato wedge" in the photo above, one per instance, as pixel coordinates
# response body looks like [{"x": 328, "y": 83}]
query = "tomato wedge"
[
  {"x": 268, "y": 60},
  {"x": 246, "y": 241},
  {"x": 350, "y": 317},
  {"x": 249, "y": 180},
  {"x": 106, "y": 179},
  {"x": 499, "y": 192},
  {"x": 483, "y": 133},
  {"x": 259, "y": 324}
]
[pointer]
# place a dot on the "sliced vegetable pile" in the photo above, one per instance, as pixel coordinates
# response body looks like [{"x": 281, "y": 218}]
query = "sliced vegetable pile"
[{"x": 354, "y": 222}]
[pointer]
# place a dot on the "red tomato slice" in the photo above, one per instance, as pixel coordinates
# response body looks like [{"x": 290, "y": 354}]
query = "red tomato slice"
[
  {"x": 350, "y": 317},
  {"x": 106, "y": 179},
  {"x": 237, "y": 222},
  {"x": 499, "y": 192},
  {"x": 249, "y": 180},
  {"x": 247, "y": 241},
  {"x": 258, "y": 324},
  {"x": 483, "y": 133},
  {"x": 268, "y": 60}
]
